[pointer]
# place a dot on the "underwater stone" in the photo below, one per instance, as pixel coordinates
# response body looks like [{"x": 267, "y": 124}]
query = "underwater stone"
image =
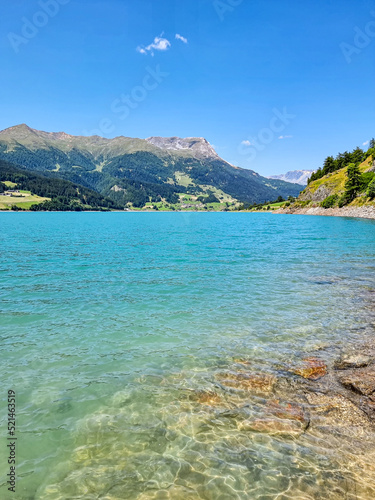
[
  {"x": 353, "y": 361},
  {"x": 310, "y": 368},
  {"x": 361, "y": 380}
]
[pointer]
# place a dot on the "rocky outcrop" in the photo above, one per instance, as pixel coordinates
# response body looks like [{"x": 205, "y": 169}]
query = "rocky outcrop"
[
  {"x": 337, "y": 411},
  {"x": 361, "y": 380},
  {"x": 319, "y": 195},
  {"x": 353, "y": 360},
  {"x": 197, "y": 145}
]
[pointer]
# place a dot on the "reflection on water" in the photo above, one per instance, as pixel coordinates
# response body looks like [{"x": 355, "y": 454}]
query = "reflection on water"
[{"x": 174, "y": 356}]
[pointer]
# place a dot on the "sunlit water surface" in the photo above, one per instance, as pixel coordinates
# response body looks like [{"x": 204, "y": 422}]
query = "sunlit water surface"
[{"x": 117, "y": 330}]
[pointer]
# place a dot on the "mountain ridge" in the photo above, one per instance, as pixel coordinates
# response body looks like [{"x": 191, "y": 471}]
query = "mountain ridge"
[{"x": 188, "y": 165}]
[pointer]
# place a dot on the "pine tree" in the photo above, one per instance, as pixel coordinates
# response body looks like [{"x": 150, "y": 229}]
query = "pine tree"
[
  {"x": 353, "y": 183},
  {"x": 329, "y": 165},
  {"x": 358, "y": 155}
]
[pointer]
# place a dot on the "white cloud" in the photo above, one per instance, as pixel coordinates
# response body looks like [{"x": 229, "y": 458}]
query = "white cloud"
[
  {"x": 159, "y": 43},
  {"x": 365, "y": 143},
  {"x": 246, "y": 143},
  {"x": 182, "y": 38},
  {"x": 285, "y": 137}
]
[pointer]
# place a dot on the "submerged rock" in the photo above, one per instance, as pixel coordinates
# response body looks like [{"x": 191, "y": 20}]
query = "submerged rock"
[
  {"x": 273, "y": 426},
  {"x": 242, "y": 361},
  {"x": 287, "y": 410},
  {"x": 337, "y": 411},
  {"x": 252, "y": 382},
  {"x": 279, "y": 418},
  {"x": 353, "y": 361},
  {"x": 174, "y": 492},
  {"x": 208, "y": 398},
  {"x": 311, "y": 368},
  {"x": 361, "y": 380}
]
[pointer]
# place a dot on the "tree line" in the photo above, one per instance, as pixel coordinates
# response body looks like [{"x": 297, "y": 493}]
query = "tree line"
[{"x": 343, "y": 160}]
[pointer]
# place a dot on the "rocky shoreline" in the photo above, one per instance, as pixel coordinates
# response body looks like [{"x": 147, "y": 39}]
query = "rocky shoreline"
[
  {"x": 312, "y": 392},
  {"x": 313, "y": 415},
  {"x": 365, "y": 212}
]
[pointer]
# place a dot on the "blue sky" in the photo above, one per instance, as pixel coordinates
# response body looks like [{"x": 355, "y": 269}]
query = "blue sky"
[{"x": 275, "y": 85}]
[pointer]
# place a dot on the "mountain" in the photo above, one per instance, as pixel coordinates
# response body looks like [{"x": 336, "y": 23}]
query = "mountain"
[
  {"x": 295, "y": 176},
  {"x": 135, "y": 172}
]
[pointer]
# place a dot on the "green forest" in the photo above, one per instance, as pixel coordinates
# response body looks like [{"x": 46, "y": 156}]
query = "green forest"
[{"x": 64, "y": 195}]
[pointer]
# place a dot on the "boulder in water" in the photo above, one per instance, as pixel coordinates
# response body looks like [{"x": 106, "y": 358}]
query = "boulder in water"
[{"x": 311, "y": 368}]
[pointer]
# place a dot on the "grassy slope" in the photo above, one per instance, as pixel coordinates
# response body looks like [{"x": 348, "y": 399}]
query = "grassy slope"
[
  {"x": 331, "y": 184},
  {"x": 24, "y": 200},
  {"x": 9, "y": 184}
]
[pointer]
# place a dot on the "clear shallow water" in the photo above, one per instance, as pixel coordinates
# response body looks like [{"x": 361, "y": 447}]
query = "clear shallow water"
[{"x": 118, "y": 332}]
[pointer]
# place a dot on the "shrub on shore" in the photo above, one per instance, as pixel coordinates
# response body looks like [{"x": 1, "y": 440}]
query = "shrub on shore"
[{"x": 330, "y": 201}]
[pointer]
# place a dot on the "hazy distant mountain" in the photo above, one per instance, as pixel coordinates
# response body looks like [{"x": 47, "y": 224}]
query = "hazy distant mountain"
[
  {"x": 137, "y": 170},
  {"x": 295, "y": 176}
]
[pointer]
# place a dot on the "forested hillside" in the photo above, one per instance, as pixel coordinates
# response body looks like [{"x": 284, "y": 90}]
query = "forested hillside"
[
  {"x": 134, "y": 172},
  {"x": 342, "y": 160},
  {"x": 348, "y": 179},
  {"x": 64, "y": 195}
]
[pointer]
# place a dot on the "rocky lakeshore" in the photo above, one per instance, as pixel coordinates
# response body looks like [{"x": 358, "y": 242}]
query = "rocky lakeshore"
[
  {"x": 317, "y": 412},
  {"x": 312, "y": 391},
  {"x": 364, "y": 212}
]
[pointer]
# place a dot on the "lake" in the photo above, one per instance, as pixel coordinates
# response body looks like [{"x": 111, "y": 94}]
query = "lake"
[{"x": 147, "y": 350}]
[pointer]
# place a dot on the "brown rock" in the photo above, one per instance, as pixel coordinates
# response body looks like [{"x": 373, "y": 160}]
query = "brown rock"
[
  {"x": 273, "y": 426},
  {"x": 337, "y": 411},
  {"x": 353, "y": 361},
  {"x": 174, "y": 492},
  {"x": 286, "y": 410},
  {"x": 252, "y": 382},
  {"x": 280, "y": 418},
  {"x": 361, "y": 380},
  {"x": 208, "y": 398},
  {"x": 311, "y": 368},
  {"x": 242, "y": 361}
]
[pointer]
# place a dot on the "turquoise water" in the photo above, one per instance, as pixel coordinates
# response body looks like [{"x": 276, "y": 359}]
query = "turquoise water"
[{"x": 117, "y": 331}]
